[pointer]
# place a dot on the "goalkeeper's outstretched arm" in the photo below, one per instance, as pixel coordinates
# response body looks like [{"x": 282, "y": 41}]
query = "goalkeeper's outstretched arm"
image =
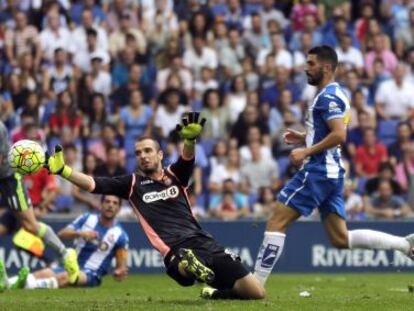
[{"x": 118, "y": 186}]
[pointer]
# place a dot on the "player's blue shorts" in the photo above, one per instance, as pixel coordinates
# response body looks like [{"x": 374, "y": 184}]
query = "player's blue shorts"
[
  {"x": 308, "y": 190},
  {"x": 92, "y": 279}
]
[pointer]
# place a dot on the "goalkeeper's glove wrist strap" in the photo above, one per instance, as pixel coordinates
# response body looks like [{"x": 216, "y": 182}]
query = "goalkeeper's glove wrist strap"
[
  {"x": 189, "y": 142},
  {"x": 66, "y": 172}
]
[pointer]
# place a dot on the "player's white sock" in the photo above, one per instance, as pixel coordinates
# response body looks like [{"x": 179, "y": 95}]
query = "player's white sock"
[
  {"x": 11, "y": 280},
  {"x": 371, "y": 239},
  {"x": 269, "y": 253},
  {"x": 32, "y": 282}
]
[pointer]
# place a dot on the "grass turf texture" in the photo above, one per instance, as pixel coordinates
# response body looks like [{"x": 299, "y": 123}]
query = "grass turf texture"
[{"x": 158, "y": 292}]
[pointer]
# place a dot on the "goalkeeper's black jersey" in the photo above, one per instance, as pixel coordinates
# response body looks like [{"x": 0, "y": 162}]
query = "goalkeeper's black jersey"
[{"x": 161, "y": 206}]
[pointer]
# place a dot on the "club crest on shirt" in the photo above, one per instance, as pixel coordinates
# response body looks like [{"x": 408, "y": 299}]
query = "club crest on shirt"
[
  {"x": 167, "y": 180},
  {"x": 103, "y": 246}
]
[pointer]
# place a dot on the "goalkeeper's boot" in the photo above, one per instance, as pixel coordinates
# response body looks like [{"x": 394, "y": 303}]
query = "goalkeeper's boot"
[
  {"x": 3, "y": 277},
  {"x": 190, "y": 263},
  {"x": 70, "y": 262},
  {"x": 410, "y": 239},
  {"x": 207, "y": 292},
  {"x": 21, "y": 278}
]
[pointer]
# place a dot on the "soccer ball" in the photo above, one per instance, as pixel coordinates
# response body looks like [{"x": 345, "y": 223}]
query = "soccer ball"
[{"x": 26, "y": 157}]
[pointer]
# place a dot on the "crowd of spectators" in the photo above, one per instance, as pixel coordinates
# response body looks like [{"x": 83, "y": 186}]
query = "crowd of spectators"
[{"x": 93, "y": 75}]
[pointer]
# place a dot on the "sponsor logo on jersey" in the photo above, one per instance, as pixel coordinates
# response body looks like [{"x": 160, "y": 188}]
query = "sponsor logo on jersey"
[
  {"x": 269, "y": 255},
  {"x": 334, "y": 108},
  {"x": 146, "y": 182},
  {"x": 169, "y": 193}
]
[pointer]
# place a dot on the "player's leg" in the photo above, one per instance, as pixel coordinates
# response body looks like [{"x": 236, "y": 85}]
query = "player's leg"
[
  {"x": 233, "y": 280},
  {"x": 8, "y": 222},
  {"x": 363, "y": 238},
  {"x": 53, "y": 278},
  {"x": 19, "y": 201},
  {"x": 185, "y": 268},
  {"x": 333, "y": 216}
]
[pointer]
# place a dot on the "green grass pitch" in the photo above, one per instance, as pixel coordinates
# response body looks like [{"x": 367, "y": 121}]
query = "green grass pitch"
[{"x": 157, "y": 292}]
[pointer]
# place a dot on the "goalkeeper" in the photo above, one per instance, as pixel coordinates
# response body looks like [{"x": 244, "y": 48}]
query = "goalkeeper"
[{"x": 158, "y": 196}]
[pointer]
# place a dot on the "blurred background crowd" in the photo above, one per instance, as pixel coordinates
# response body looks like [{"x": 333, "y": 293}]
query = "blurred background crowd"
[{"x": 94, "y": 75}]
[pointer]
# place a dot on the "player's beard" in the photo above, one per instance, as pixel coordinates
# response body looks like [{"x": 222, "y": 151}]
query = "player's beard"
[
  {"x": 149, "y": 170},
  {"x": 316, "y": 78}
]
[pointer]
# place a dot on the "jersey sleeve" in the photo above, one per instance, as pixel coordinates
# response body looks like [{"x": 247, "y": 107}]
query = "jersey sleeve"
[
  {"x": 123, "y": 241},
  {"x": 78, "y": 222},
  {"x": 331, "y": 107},
  {"x": 119, "y": 186},
  {"x": 182, "y": 170}
]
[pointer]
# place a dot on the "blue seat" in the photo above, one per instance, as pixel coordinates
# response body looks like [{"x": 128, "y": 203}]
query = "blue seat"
[{"x": 387, "y": 131}]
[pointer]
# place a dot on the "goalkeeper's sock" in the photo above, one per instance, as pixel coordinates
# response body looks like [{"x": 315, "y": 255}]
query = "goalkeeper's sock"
[
  {"x": 269, "y": 253},
  {"x": 370, "y": 239},
  {"x": 32, "y": 282},
  {"x": 50, "y": 238}
]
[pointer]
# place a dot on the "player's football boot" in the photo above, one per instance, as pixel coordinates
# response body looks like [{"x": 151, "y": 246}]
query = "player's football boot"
[
  {"x": 207, "y": 292},
  {"x": 190, "y": 263},
  {"x": 21, "y": 278},
  {"x": 3, "y": 277},
  {"x": 410, "y": 239},
  {"x": 70, "y": 262}
]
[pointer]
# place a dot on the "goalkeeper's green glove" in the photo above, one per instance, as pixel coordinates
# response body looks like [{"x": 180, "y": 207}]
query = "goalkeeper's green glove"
[
  {"x": 55, "y": 164},
  {"x": 190, "y": 128}
]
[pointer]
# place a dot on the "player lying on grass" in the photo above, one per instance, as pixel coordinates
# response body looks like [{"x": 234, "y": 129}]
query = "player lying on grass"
[
  {"x": 99, "y": 239},
  {"x": 320, "y": 181},
  {"x": 159, "y": 199},
  {"x": 14, "y": 195}
]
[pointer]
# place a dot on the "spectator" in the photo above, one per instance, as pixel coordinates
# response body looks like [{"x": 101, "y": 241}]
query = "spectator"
[
  {"x": 395, "y": 97},
  {"x": 249, "y": 117},
  {"x": 55, "y": 36},
  {"x": 361, "y": 24},
  {"x": 81, "y": 32},
  {"x": 218, "y": 155},
  {"x": 97, "y": 117},
  {"x": 82, "y": 59},
  {"x": 168, "y": 115},
  {"x": 206, "y": 82},
  {"x": 118, "y": 38},
  {"x": 101, "y": 80},
  {"x": 256, "y": 37},
  {"x": 369, "y": 156},
  {"x": 17, "y": 92},
  {"x": 175, "y": 66},
  {"x": 58, "y": 76},
  {"x": 279, "y": 53},
  {"x": 230, "y": 204},
  {"x": 404, "y": 170},
  {"x": 116, "y": 10},
  {"x": 250, "y": 74},
  {"x": 359, "y": 105},
  {"x": 231, "y": 55},
  {"x": 29, "y": 124},
  {"x": 200, "y": 56},
  {"x": 387, "y": 205},
  {"x": 260, "y": 172},
  {"x": 22, "y": 38},
  {"x": 230, "y": 170},
  {"x": 309, "y": 26},
  {"x": 349, "y": 55},
  {"x": 299, "y": 12},
  {"x": 332, "y": 36},
  {"x": 263, "y": 207},
  {"x": 112, "y": 167},
  {"x": 354, "y": 204},
  {"x": 97, "y": 15},
  {"x": 253, "y": 136},
  {"x": 108, "y": 138},
  {"x": 380, "y": 51},
  {"x": 404, "y": 36},
  {"x": 385, "y": 172},
  {"x": 269, "y": 12},
  {"x": 135, "y": 120},
  {"x": 65, "y": 116},
  {"x": 236, "y": 99},
  {"x": 396, "y": 150},
  {"x": 218, "y": 118}
]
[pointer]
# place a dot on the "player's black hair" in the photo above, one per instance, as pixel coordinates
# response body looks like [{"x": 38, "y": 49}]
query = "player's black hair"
[
  {"x": 145, "y": 137},
  {"x": 104, "y": 195},
  {"x": 327, "y": 54}
]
